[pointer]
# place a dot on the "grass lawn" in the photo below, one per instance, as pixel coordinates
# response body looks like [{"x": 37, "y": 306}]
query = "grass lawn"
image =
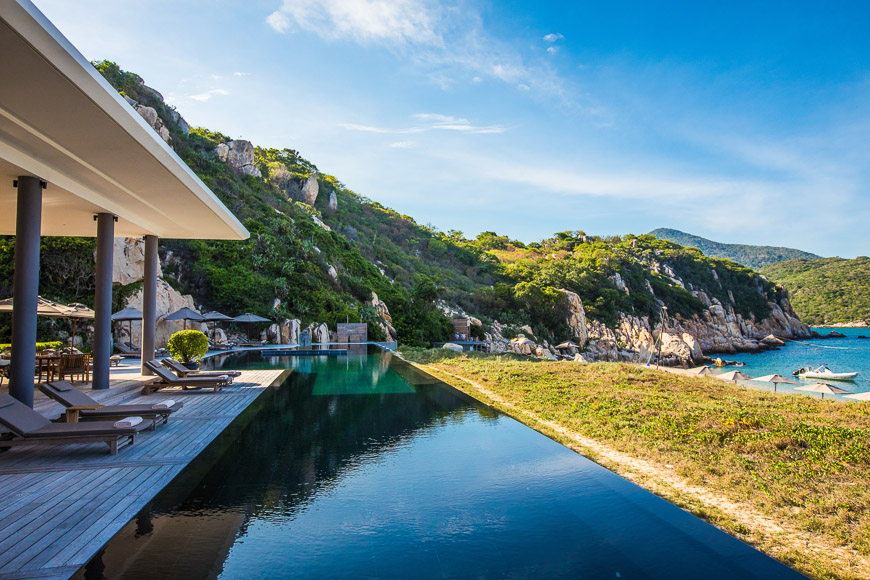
[{"x": 789, "y": 474}]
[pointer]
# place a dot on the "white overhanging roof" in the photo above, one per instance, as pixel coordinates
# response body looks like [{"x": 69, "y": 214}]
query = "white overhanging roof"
[{"x": 62, "y": 122}]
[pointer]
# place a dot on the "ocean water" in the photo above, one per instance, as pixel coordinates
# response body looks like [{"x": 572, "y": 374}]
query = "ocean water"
[{"x": 842, "y": 355}]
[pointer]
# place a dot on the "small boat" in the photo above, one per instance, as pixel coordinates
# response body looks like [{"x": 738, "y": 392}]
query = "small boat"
[{"x": 823, "y": 372}]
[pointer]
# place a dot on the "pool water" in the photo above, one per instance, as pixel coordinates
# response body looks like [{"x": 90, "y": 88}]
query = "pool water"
[{"x": 363, "y": 467}]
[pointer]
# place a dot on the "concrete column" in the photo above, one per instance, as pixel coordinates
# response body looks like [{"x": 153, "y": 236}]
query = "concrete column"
[
  {"x": 103, "y": 300},
  {"x": 25, "y": 288},
  {"x": 149, "y": 302}
]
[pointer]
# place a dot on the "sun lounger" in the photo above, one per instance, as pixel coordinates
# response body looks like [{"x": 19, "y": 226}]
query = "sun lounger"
[
  {"x": 184, "y": 372},
  {"x": 220, "y": 345},
  {"x": 81, "y": 407},
  {"x": 216, "y": 383},
  {"x": 127, "y": 352},
  {"x": 30, "y": 428},
  {"x": 246, "y": 342}
]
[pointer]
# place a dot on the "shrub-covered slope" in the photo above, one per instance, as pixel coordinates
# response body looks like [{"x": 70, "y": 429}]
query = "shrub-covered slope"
[
  {"x": 826, "y": 291},
  {"x": 319, "y": 259},
  {"x": 754, "y": 257}
]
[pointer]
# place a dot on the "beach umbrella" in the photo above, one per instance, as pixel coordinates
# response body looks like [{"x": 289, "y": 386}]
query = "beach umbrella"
[
  {"x": 184, "y": 314},
  {"x": 249, "y": 319},
  {"x": 702, "y": 371},
  {"x": 822, "y": 388},
  {"x": 776, "y": 380},
  {"x": 52, "y": 309},
  {"x": 214, "y": 317},
  {"x": 76, "y": 312},
  {"x": 733, "y": 376},
  {"x": 129, "y": 314},
  {"x": 859, "y": 396}
]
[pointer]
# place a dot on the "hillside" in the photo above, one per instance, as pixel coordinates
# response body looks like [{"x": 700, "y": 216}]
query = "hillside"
[
  {"x": 755, "y": 257},
  {"x": 826, "y": 291},
  {"x": 318, "y": 251}
]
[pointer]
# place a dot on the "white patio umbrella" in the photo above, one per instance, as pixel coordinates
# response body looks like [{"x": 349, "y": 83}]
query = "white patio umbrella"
[
  {"x": 859, "y": 396},
  {"x": 776, "y": 380},
  {"x": 823, "y": 388},
  {"x": 702, "y": 371}
]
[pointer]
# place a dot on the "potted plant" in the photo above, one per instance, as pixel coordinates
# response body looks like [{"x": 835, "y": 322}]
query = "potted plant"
[{"x": 187, "y": 347}]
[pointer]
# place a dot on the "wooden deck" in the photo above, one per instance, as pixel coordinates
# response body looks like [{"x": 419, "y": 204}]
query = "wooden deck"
[{"x": 60, "y": 504}]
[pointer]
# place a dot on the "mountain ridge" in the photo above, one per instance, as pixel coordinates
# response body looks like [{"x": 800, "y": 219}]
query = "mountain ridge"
[{"x": 751, "y": 256}]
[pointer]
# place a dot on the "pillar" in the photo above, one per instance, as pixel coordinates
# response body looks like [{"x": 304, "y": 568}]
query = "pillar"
[
  {"x": 25, "y": 288},
  {"x": 149, "y": 302},
  {"x": 103, "y": 299}
]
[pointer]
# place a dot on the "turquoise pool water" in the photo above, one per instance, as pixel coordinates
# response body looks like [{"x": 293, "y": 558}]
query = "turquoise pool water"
[{"x": 363, "y": 467}]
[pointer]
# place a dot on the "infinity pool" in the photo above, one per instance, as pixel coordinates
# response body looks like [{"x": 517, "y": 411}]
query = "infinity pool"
[{"x": 360, "y": 466}]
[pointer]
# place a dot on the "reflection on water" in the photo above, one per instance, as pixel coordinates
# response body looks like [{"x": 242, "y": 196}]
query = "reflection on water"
[{"x": 361, "y": 466}]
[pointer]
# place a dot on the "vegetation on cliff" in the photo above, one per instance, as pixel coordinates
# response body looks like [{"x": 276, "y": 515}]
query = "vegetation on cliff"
[
  {"x": 779, "y": 471},
  {"x": 293, "y": 267},
  {"x": 755, "y": 257},
  {"x": 826, "y": 291}
]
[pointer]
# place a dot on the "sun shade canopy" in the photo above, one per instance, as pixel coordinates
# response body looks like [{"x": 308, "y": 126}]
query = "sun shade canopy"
[{"x": 61, "y": 122}]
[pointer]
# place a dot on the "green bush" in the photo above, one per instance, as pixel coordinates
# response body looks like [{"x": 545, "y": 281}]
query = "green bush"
[
  {"x": 188, "y": 345},
  {"x": 40, "y": 346}
]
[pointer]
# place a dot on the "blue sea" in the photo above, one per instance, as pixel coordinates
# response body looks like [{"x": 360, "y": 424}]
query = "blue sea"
[{"x": 842, "y": 355}]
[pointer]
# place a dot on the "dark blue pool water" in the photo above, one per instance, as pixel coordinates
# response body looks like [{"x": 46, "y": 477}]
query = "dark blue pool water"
[{"x": 362, "y": 467}]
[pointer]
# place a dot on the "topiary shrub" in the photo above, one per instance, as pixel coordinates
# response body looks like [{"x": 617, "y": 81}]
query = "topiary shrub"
[{"x": 188, "y": 345}]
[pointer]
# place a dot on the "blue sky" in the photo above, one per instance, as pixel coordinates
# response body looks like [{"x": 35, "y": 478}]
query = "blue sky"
[{"x": 734, "y": 121}]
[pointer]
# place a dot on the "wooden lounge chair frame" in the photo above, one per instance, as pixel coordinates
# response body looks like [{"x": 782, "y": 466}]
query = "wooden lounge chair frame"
[
  {"x": 216, "y": 383},
  {"x": 27, "y": 427},
  {"x": 184, "y": 372},
  {"x": 80, "y": 406}
]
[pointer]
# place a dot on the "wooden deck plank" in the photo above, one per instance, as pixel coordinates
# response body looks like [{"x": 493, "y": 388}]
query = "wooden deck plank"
[{"x": 62, "y": 503}]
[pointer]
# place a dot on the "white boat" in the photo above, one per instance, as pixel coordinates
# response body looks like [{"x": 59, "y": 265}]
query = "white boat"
[{"x": 823, "y": 372}]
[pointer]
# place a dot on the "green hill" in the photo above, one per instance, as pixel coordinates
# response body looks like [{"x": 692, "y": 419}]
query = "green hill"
[
  {"x": 755, "y": 257},
  {"x": 320, "y": 261},
  {"x": 828, "y": 290}
]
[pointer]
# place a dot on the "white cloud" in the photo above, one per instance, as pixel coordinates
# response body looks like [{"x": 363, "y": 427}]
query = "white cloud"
[
  {"x": 365, "y": 21},
  {"x": 202, "y": 97},
  {"x": 446, "y": 40},
  {"x": 553, "y": 37},
  {"x": 430, "y": 122},
  {"x": 552, "y": 49},
  {"x": 402, "y": 144}
]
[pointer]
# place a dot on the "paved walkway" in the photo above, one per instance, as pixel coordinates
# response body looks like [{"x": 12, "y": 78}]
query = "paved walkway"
[{"x": 60, "y": 504}]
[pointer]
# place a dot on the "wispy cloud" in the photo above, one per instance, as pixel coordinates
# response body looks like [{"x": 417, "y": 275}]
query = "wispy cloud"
[
  {"x": 402, "y": 145},
  {"x": 202, "y": 97},
  {"x": 430, "y": 122},
  {"x": 447, "y": 39},
  {"x": 553, "y": 37}
]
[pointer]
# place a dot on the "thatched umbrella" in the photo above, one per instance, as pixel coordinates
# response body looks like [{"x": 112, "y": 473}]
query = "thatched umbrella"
[
  {"x": 776, "y": 380},
  {"x": 129, "y": 314},
  {"x": 823, "y": 388},
  {"x": 733, "y": 376},
  {"x": 184, "y": 314}
]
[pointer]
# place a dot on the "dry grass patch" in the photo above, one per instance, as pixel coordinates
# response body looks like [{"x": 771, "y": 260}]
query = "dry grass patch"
[{"x": 787, "y": 473}]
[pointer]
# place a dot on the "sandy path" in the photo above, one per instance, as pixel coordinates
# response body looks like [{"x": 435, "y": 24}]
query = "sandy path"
[{"x": 776, "y": 537}]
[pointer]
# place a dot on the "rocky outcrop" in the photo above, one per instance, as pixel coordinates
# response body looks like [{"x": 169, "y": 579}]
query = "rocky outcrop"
[
  {"x": 386, "y": 321},
  {"x": 333, "y": 201},
  {"x": 320, "y": 223},
  {"x": 128, "y": 261},
  {"x": 310, "y": 190},
  {"x": 239, "y": 155},
  {"x": 576, "y": 318},
  {"x": 152, "y": 118}
]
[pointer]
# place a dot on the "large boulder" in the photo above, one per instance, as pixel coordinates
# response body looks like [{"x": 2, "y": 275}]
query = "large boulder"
[
  {"x": 452, "y": 347},
  {"x": 290, "y": 331},
  {"x": 128, "y": 261},
  {"x": 151, "y": 117},
  {"x": 576, "y": 319},
  {"x": 239, "y": 155},
  {"x": 310, "y": 190}
]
